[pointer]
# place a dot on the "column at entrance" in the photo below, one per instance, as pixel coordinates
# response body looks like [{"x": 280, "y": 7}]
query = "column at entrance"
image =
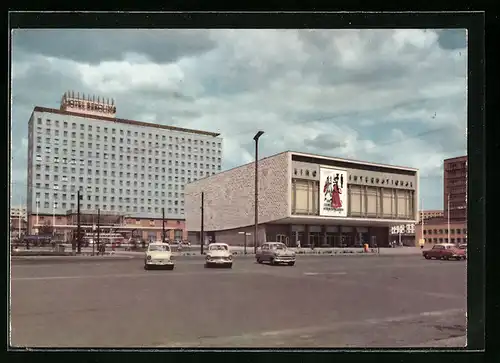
[
  {"x": 297, "y": 235},
  {"x": 291, "y": 237},
  {"x": 362, "y": 236},
  {"x": 347, "y": 234},
  {"x": 339, "y": 240},
  {"x": 307, "y": 237},
  {"x": 332, "y": 236},
  {"x": 324, "y": 239}
]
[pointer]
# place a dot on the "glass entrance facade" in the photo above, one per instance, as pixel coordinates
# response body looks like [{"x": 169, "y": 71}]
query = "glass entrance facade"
[{"x": 321, "y": 236}]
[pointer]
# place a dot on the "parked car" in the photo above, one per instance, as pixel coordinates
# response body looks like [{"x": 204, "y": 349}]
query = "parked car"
[
  {"x": 219, "y": 254},
  {"x": 463, "y": 246},
  {"x": 158, "y": 255},
  {"x": 445, "y": 251},
  {"x": 275, "y": 253}
]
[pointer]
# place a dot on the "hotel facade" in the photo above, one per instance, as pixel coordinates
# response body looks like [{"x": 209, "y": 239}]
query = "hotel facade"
[
  {"x": 306, "y": 200},
  {"x": 127, "y": 168}
]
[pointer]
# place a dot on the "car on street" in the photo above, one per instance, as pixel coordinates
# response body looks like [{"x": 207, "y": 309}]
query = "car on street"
[
  {"x": 275, "y": 253},
  {"x": 158, "y": 255},
  {"x": 463, "y": 246},
  {"x": 445, "y": 251},
  {"x": 219, "y": 254}
]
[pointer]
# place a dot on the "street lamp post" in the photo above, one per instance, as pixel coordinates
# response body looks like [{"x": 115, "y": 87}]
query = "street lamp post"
[
  {"x": 79, "y": 197},
  {"x": 54, "y": 206},
  {"x": 256, "y": 138},
  {"x": 98, "y": 228},
  {"x": 245, "y": 241},
  {"x": 202, "y": 223},
  {"x": 163, "y": 225},
  {"x": 37, "y": 207},
  {"x": 94, "y": 228}
]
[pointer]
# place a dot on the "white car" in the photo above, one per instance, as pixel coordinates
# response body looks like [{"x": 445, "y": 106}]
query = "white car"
[
  {"x": 218, "y": 254},
  {"x": 158, "y": 255}
]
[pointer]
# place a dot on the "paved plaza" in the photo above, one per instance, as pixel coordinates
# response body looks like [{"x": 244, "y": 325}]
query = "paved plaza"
[{"x": 323, "y": 301}]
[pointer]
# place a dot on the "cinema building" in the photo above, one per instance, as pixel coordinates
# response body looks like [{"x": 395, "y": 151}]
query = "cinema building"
[{"x": 306, "y": 199}]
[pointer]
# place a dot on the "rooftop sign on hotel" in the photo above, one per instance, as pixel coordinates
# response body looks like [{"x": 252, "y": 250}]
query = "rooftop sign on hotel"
[{"x": 89, "y": 105}]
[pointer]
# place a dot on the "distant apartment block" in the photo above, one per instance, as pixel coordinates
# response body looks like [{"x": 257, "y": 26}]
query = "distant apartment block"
[
  {"x": 455, "y": 187},
  {"x": 429, "y": 214},
  {"x": 16, "y": 212}
]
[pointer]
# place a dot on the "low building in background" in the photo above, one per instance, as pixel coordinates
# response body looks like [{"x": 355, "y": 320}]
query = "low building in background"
[
  {"x": 404, "y": 234},
  {"x": 431, "y": 213},
  {"x": 436, "y": 231},
  {"x": 306, "y": 200},
  {"x": 63, "y": 227},
  {"x": 18, "y": 222}
]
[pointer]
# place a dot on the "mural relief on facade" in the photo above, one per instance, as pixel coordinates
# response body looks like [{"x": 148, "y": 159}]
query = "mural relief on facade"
[{"x": 333, "y": 197}]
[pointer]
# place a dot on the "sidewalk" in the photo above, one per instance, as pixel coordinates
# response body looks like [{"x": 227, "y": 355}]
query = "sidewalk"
[{"x": 238, "y": 250}]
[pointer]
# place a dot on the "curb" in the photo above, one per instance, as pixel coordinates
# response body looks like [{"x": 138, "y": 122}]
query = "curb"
[
  {"x": 79, "y": 257},
  {"x": 347, "y": 253}
]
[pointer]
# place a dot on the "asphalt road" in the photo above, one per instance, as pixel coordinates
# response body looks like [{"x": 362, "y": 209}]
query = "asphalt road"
[{"x": 320, "y": 302}]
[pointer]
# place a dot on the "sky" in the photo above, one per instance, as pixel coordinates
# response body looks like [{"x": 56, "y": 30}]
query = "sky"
[{"x": 388, "y": 96}]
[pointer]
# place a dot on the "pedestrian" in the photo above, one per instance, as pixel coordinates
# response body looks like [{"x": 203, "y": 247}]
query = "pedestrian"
[{"x": 421, "y": 243}]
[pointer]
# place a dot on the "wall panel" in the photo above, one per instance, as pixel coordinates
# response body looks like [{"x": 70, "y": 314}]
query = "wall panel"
[
  {"x": 371, "y": 199},
  {"x": 355, "y": 199}
]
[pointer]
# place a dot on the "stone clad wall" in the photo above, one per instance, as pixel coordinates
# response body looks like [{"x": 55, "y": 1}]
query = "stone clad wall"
[{"x": 229, "y": 196}]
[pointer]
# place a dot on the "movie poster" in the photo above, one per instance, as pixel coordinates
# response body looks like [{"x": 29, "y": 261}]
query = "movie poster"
[{"x": 333, "y": 192}]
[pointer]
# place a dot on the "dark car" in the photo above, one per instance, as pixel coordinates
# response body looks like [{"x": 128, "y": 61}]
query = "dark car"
[{"x": 446, "y": 251}]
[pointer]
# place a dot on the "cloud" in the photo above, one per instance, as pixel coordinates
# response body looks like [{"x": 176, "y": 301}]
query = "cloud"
[
  {"x": 452, "y": 38},
  {"x": 90, "y": 46},
  {"x": 388, "y": 96}
]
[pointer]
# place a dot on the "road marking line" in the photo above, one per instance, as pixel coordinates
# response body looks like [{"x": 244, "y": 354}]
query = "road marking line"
[
  {"x": 310, "y": 330},
  {"x": 324, "y": 273},
  {"x": 146, "y": 274}
]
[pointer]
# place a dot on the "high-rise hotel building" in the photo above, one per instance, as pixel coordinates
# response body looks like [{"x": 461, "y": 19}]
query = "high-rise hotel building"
[{"x": 121, "y": 166}]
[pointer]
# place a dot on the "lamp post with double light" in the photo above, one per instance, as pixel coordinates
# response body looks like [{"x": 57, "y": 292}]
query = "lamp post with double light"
[{"x": 256, "y": 232}]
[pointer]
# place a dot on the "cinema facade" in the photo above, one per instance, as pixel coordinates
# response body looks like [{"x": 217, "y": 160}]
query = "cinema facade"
[{"x": 304, "y": 199}]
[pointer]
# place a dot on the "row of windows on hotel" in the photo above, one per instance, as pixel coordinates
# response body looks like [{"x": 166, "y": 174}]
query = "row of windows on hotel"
[
  {"x": 445, "y": 231},
  {"x": 97, "y": 180},
  {"x": 133, "y": 153},
  {"x": 90, "y": 145},
  {"x": 135, "y": 167},
  {"x": 114, "y": 199},
  {"x": 72, "y": 188},
  {"x": 113, "y": 208},
  {"x": 129, "y": 133},
  {"x": 121, "y": 149}
]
